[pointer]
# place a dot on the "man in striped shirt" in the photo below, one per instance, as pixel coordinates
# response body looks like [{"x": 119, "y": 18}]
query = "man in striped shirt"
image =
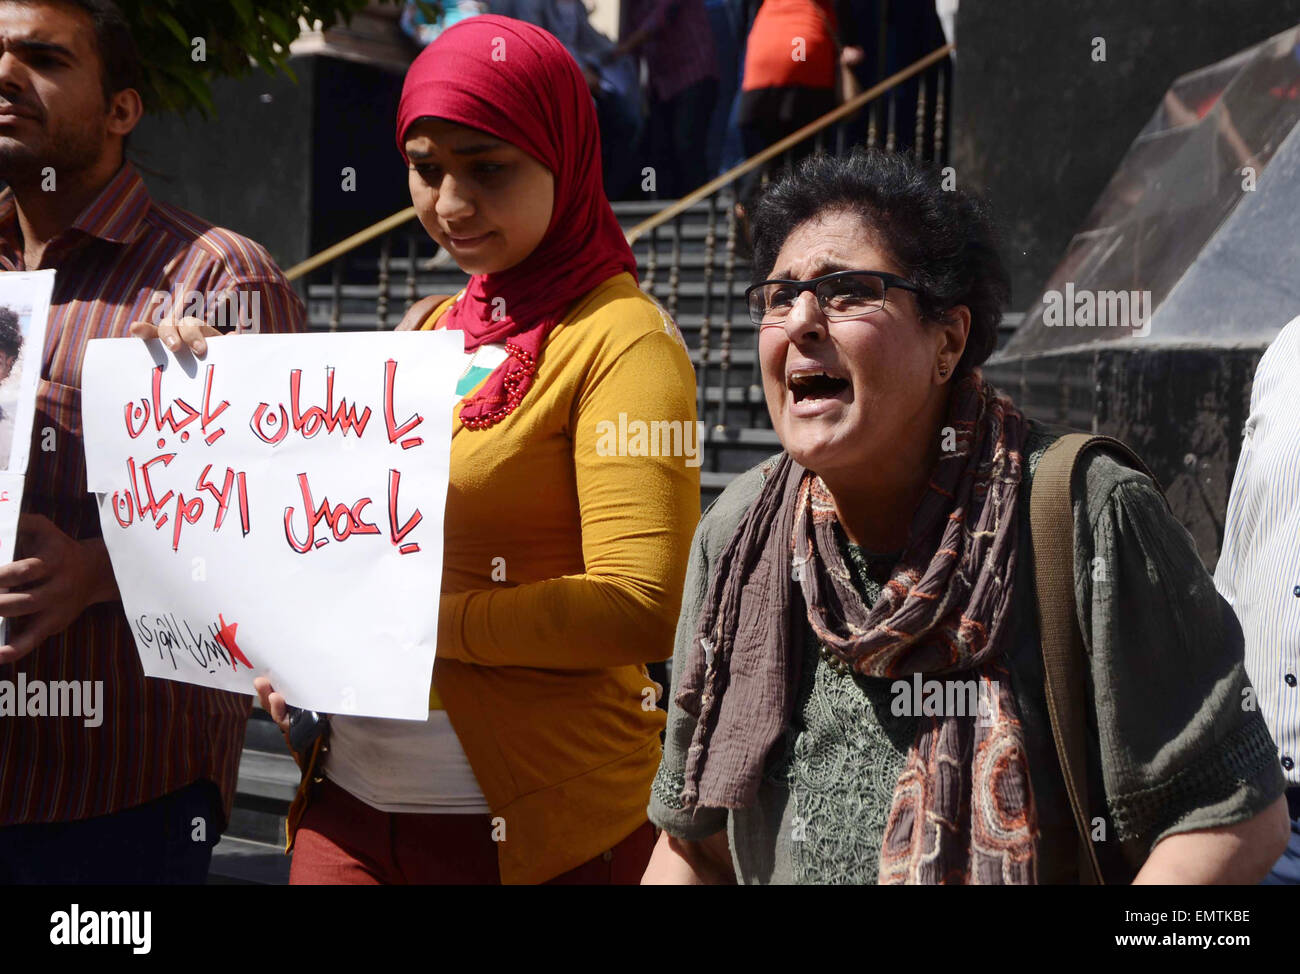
[
  {"x": 142, "y": 790},
  {"x": 1259, "y": 567}
]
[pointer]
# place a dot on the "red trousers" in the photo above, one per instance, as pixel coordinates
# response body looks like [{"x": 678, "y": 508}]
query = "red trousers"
[{"x": 343, "y": 841}]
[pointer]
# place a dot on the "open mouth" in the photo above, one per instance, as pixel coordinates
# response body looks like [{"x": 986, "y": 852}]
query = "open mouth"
[{"x": 807, "y": 385}]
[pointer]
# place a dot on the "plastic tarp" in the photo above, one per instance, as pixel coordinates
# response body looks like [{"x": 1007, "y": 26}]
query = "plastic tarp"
[{"x": 1196, "y": 239}]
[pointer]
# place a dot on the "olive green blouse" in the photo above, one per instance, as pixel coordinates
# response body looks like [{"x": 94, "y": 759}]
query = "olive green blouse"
[{"x": 1178, "y": 744}]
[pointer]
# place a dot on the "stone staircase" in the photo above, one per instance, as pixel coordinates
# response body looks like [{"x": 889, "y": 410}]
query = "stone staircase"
[{"x": 252, "y": 850}]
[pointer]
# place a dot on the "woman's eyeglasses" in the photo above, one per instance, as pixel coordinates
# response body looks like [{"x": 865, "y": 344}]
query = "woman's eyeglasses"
[{"x": 843, "y": 294}]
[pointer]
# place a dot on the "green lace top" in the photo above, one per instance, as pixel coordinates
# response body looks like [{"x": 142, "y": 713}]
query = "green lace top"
[
  {"x": 841, "y": 758},
  {"x": 844, "y": 753},
  {"x": 1174, "y": 749}
]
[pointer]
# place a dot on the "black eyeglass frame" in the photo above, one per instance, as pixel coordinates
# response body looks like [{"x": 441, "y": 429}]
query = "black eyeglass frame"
[{"x": 889, "y": 280}]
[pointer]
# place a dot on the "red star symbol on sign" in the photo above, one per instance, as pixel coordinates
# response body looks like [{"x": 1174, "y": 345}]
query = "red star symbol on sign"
[{"x": 226, "y": 636}]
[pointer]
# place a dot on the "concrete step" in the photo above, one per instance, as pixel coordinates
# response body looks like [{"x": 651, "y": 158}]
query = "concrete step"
[
  {"x": 747, "y": 436},
  {"x": 268, "y": 780},
  {"x": 363, "y": 317},
  {"x": 366, "y": 290},
  {"x": 270, "y": 776},
  {"x": 364, "y": 268},
  {"x": 360, "y": 315},
  {"x": 261, "y": 734},
  {"x": 692, "y": 237},
  {"x": 716, "y": 481},
  {"x": 743, "y": 335},
  {"x": 240, "y": 862},
  {"x": 633, "y": 211},
  {"x": 739, "y": 394},
  {"x": 712, "y": 484}
]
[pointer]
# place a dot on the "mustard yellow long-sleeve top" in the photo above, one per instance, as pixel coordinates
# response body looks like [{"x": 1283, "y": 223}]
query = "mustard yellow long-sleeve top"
[
  {"x": 542, "y": 671},
  {"x": 564, "y": 559}
]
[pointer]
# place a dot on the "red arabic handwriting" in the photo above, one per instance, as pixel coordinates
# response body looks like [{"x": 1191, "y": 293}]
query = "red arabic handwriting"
[
  {"x": 396, "y": 432},
  {"x": 272, "y": 427},
  {"x": 138, "y": 415},
  {"x": 137, "y": 503},
  {"x": 226, "y": 636},
  {"x": 343, "y": 520},
  {"x": 144, "y": 501}
]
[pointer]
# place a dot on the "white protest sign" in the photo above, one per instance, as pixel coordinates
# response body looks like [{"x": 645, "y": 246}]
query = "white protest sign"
[
  {"x": 276, "y": 509},
  {"x": 24, "y": 314}
]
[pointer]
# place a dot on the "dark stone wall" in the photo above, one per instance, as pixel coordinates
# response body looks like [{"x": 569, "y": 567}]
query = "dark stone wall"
[
  {"x": 269, "y": 163},
  {"x": 356, "y": 120},
  {"x": 1181, "y": 409},
  {"x": 1040, "y": 127}
]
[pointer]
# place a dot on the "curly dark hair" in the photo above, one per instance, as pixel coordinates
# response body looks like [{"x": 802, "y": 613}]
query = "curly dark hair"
[
  {"x": 944, "y": 240},
  {"x": 11, "y": 335}
]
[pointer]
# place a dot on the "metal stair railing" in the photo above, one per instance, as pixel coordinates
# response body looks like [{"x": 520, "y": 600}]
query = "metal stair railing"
[{"x": 692, "y": 261}]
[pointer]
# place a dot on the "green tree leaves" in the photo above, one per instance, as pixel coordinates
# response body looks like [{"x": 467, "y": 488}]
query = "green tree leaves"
[{"x": 185, "y": 44}]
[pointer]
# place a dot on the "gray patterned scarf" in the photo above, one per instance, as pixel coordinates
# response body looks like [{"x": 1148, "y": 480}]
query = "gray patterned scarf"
[{"x": 963, "y": 810}]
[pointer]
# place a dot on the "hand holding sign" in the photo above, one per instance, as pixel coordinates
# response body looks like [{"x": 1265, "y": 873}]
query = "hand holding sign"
[
  {"x": 55, "y": 578},
  {"x": 273, "y": 703},
  {"x": 175, "y": 332},
  {"x": 56, "y": 570}
]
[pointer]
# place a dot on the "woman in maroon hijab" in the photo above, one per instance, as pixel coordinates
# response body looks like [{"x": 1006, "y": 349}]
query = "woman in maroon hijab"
[{"x": 565, "y": 542}]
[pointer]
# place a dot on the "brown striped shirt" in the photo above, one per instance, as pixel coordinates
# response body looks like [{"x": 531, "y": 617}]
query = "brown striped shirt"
[{"x": 157, "y": 736}]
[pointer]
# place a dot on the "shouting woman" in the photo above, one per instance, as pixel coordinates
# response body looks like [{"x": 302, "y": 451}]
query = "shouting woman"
[{"x": 888, "y": 549}]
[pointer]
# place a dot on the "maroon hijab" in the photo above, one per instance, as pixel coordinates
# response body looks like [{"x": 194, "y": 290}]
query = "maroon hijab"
[{"x": 517, "y": 82}]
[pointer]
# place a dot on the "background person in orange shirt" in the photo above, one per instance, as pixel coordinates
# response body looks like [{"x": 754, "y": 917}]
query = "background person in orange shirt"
[{"x": 790, "y": 77}]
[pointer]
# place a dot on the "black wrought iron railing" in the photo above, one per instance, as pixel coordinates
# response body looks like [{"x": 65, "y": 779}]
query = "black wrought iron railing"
[{"x": 692, "y": 256}]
